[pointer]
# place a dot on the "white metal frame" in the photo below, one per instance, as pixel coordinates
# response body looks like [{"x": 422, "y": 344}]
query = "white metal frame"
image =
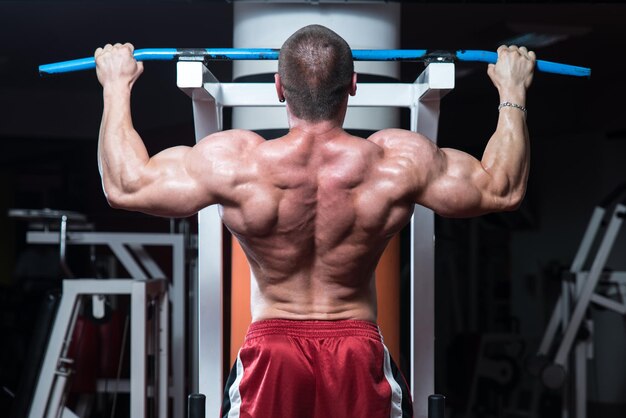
[
  {"x": 49, "y": 393},
  {"x": 209, "y": 97},
  {"x": 129, "y": 249},
  {"x": 581, "y": 294}
]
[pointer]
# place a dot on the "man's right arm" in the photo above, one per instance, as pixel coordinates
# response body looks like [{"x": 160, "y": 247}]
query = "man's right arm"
[
  {"x": 454, "y": 183},
  {"x": 177, "y": 181}
]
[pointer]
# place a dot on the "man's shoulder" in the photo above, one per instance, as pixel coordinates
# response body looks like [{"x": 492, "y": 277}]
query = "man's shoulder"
[
  {"x": 234, "y": 138},
  {"x": 392, "y": 137},
  {"x": 241, "y": 135}
]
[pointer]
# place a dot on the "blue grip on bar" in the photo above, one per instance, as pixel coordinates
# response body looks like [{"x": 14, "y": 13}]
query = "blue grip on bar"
[
  {"x": 212, "y": 54},
  {"x": 151, "y": 54},
  {"x": 543, "y": 66}
]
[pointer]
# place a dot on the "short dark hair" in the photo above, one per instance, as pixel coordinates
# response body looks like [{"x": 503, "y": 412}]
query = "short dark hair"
[{"x": 315, "y": 68}]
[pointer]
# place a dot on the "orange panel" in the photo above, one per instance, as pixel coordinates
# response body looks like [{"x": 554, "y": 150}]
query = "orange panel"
[
  {"x": 240, "y": 300},
  {"x": 388, "y": 290}
]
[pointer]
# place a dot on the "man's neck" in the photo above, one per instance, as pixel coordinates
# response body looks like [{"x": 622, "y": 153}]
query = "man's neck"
[{"x": 317, "y": 128}]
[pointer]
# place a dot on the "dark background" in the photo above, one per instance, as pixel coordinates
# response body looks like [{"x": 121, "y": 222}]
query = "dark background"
[{"x": 496, "y": 275}]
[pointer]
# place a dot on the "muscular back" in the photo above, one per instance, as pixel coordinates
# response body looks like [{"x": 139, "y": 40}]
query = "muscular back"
[
  {"x": 313, "y": 215},
  {"x": 313, "y": 212}
]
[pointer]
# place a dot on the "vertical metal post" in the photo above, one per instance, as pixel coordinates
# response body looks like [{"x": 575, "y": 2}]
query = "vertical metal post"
[
  {"x": 138, "y": 372},
  {"x": 63, "y": 247},
  {"x": 210, "y": 310},
  {"x": 163, "y": 339},
  {"x": 577, "y": 265},
  {"x": 425, "y": 120},
  {"x": 57, "y": 347},
  {"x": 179, "y": 303},
  {"x": 422, "y": 374},
  {"x": 587, "y": 290},
  {"x": 580, "y": 385},
  {"x": 207, "y": 359}
]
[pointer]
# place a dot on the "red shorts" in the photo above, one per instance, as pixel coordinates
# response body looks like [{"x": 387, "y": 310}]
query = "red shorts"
[{"x": 315, "y": 369}]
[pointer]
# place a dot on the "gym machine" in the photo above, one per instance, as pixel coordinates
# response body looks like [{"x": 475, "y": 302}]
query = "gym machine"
[
  {"x": 567, "y": 343},
  {"x": 209, "y": 96},
  {"x": 148, "y": 288}
]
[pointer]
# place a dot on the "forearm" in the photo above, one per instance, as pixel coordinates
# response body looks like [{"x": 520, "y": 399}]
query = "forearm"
[
  {"x": 507, "y": 155},
  {"x": 121, "y": 152}
]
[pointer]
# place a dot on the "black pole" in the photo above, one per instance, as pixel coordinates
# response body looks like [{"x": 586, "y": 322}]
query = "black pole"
[
  {"x": 436, "y": 406},
  {"x": 196, "y": 405}
]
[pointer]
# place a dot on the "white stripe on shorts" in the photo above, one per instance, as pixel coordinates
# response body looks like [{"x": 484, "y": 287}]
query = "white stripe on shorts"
[
  {"x": 233, "y": 392},
  {"x": 396, "y": 392}
]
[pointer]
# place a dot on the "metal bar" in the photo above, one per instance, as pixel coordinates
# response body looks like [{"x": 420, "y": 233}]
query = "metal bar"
[
  {"x": 63, "y": 247},
  {"x": 577, "y": 264},
  {"x": 566, "y": 299},
  {"x": 178, "y": 335},
  {"x": 425, "y": 120},
  {"x": 206, "y": 363},
  {"x": 542, "y": 66},
  {"x": 103, "y": 238},
  {"x": 56, "y": 344},
  {"x": 210, "y": 314},
  {"x": 370, "y": 95},
  {"x": 127, "y": 261},
  {"x": 206, "y": 323},
  {"x": 585, "y": 245},
  {"x": 264, "y": 94},
  {"x": 616, "y": 277},
  {"x": 138, "y": 353},
  {"x": 437, "y": 80},
  {"x": 607, "y": 303},
  {"x": 580, "y": 376},
  {"x": 594, "y": 276},
  {"x": 422, "y": 373},
  {"x": 163, "y": 341},
  {"x": 55, "y": 406},
  {"x": 82, "y": 286},
  {"x": 231, "y": 54},
  {"x": 147, "y": 262}
]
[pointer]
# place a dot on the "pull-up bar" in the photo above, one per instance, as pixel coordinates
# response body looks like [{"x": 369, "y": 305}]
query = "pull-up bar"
[{"x": 232, "y": 54}]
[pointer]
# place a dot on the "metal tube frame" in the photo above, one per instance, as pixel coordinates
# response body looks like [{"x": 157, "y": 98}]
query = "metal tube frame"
[
  {"x": 129, "y": 248},
  {"x": 208, "y": 98},
  {"x": 587, "y": 289},
  {"x": 577, "y": 264},
  {"x": 47, "y": 399},
  {"x": 580, "y": 294}
]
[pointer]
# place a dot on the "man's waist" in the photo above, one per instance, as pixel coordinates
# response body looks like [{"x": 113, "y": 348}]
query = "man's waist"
[{"x": 314, "y": 328}]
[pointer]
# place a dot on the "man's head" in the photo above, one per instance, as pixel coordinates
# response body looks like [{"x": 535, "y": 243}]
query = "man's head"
[{"x": 316, "y": 73}]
